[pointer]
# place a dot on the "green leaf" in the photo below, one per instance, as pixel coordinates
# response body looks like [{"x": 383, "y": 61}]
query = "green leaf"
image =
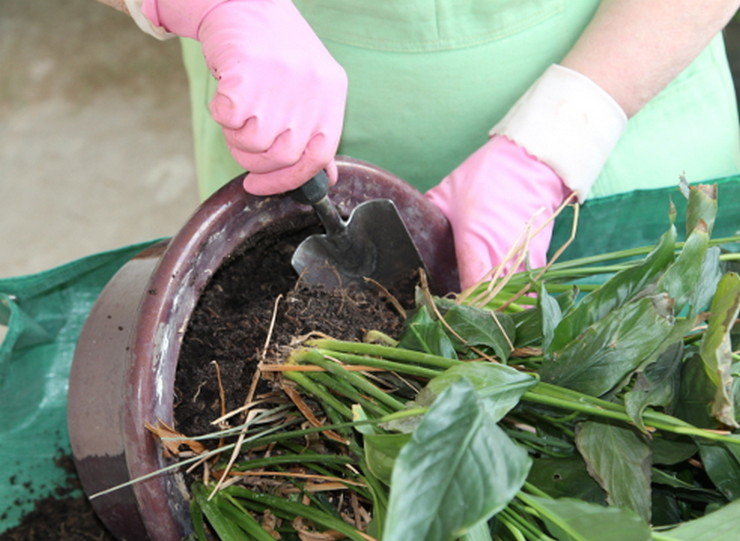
[
  {"x": 672, "y": 480},
  {"x": 426, "y": 334},
  {"x": 657, "y": 385},
  {"x": 721, "y": 525},
  {"x": 551, "y": 316},
  {"x": 721, "y": 461},
  {"x": 230, "y": 523},
  {"x": 381, "y": 451},
  {"x": 481, "y": 327},
  {"x": 681, "y": 278},
  {"x": 614, "y": 293},
  {"x": 716, "y": 349},
  {"x": 565, "y": 478},
  {"x": 281, "y": 504},
  {"x": 499, "y": 386},
  {"x": 619, "y": 459},
  {"x": 695, "y": 394},
  {"x": 611, "y": 348},
  {"x": 458, "y": 470},
  {"x": 574, "y": 520},
  {"x": 668, "y": 449}
]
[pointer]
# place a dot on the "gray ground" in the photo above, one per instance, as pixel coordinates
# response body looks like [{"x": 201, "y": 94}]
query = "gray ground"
[
  {"x": 95, "y": 144},
  {"x": 95, "y": 148}
]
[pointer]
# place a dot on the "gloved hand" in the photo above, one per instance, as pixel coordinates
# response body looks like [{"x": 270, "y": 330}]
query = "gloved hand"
[
  {"x": 553, "y": 142},
  {"x": 280, "y": 96},
  {"x": 490, "y": 199}
]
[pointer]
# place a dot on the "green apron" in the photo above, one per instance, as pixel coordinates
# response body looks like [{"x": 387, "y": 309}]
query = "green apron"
[{"x": 428, "y": 79}]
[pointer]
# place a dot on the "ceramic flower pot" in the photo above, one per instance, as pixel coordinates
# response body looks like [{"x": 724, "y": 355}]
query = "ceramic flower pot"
[{"x": 124, "y": 366}]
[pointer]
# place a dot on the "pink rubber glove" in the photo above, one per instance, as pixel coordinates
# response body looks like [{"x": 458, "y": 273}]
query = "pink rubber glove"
[
  {"x": 490, "y": 199},
  {"x": 280, "y": 96}
]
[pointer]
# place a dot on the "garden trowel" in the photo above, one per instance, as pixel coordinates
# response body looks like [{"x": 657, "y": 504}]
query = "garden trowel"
[{"x": 372, "y": 244}]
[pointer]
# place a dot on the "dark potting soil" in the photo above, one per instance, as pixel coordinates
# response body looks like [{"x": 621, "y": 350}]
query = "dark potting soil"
[
  {"x": 66, "y": 516},
  {"x": 234, "y": 315}
]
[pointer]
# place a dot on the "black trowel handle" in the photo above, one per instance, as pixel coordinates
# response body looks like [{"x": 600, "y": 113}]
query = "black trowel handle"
[{"x": 314, "y": 193}]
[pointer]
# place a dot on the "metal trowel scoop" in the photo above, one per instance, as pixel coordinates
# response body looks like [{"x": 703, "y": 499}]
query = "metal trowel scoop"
[{"x": 373, "y": 243}]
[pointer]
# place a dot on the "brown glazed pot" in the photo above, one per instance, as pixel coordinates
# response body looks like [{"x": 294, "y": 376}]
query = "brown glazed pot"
[{"x": 123, "y": 372}]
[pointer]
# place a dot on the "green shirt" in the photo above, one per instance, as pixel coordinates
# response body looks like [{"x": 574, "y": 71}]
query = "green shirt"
[{"x": 429, "y": 78}]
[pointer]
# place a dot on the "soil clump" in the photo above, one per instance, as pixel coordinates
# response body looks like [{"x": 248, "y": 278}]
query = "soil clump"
[{"x": 66, "y": 516}]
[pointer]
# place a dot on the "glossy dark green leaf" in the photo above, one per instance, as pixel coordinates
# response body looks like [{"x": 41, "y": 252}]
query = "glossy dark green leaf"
[
  {"x": 575, "y": 520},
  {"x": 481, "y": 327},
  {"x": 716, "y": 349},
  {"x": 656, "y": 385},
  {"x": 668, "y": 449},
  {"x": 695, "y": 394},
  {"x": 722, "y": 463},
  {"x": 458, "y": 470},
  {"x": 424, "y": 333},
  {"x": 672, "y": 480},
  {"x": 611, "y": 348},
  {"x": 499, "y": 386},
  {"x": 614, "y": 293},
  {"x": 618, "y": 457}
]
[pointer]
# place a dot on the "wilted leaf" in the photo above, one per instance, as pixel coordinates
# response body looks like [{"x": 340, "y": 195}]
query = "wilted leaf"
[
  {"x": 702, "y": 207},
  {"x": 716, "y": 349},
  {"x": 458, "y": 469},
  {"x": 171, "y": 439},
  {"x": 619, "y": 459}
]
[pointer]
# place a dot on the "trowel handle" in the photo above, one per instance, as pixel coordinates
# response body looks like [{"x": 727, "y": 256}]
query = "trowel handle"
[{"x": 314, "y": 193}]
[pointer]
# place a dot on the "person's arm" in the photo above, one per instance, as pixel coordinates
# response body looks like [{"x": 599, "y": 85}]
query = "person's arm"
[
  {"x": 634, "y": 48},
  {"x": 557, "y": 137}
]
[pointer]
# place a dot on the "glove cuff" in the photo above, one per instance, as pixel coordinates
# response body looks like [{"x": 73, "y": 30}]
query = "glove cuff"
[
  {"x": 568, "y": 122},
  {"x": 173, "y": 17},
  {"x": 135, "y": 10}
]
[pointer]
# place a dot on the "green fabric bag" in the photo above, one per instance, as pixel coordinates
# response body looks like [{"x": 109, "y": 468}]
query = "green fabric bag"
[
  {"x": 634, "y": 219},
  {"x": 45, "y": 312}
]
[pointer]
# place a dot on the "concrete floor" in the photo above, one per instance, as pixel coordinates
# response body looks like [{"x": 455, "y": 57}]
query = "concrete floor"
[
  {"x": 95, "y": 141},
  {"x": 95, "y": 148}
]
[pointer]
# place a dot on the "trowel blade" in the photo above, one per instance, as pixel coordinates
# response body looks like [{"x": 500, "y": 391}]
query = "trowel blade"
[{"x": 374, "y": 244}]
